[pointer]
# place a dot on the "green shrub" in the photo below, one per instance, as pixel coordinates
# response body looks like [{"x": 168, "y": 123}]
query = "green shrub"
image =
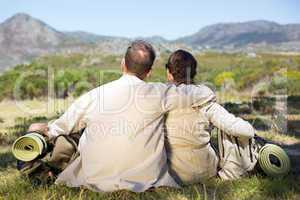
[
  {"x": 293, "y": 82},
  {"x": 82, "y": 87},
  {"x": 223, "y": 77},
  {"x": 279, "y": 84}
]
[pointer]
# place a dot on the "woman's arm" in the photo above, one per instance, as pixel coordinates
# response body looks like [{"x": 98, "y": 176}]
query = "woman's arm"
[{"x": 226, "y": 121}]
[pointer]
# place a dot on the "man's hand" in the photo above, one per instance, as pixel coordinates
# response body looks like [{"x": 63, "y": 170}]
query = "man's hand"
[{"x": 39, "y": 127}]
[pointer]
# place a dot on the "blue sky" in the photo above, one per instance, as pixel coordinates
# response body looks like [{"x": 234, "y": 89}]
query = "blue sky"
[{"x": 132, "y": 18}]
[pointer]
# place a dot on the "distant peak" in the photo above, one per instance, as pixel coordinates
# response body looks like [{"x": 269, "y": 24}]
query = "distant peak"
[
  {"x": 21, "y": 15},
  {"x": 261, "y": 21},
  {"x": 25, "y": 22}
]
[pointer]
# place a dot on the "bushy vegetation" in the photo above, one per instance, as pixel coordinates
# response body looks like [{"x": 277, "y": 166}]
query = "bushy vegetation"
[
  {"x": 64, "y": 75},
  {"x": 247, "y": 72},
  {"x": 61, "y": 75}
]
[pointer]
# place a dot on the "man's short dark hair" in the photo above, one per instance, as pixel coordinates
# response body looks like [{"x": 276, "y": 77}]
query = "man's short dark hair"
[
  {"x": 139, "y": 57},
  {"x": 183, "y": 66}
]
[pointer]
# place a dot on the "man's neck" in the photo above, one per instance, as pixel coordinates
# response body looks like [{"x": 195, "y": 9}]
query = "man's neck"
[{"x": 132, "y": 74}]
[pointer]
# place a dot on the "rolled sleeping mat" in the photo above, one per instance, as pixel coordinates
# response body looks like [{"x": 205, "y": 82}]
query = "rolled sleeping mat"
[
  {"x": 29, "y": 147},
  {"x": 274, "y": 161}
]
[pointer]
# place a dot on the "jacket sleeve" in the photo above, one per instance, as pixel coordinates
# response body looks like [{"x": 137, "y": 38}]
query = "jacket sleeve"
[
  {"x": 226, "y": 121},
  {"x": 72, "y": 119}
]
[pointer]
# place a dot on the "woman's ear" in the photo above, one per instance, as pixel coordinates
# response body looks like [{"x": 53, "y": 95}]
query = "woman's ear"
[
  {"x": 170, "y": 77},
  {"x": 149, "y": 73}
]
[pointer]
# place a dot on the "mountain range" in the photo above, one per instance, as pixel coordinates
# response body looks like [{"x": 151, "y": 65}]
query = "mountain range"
[{"x": 23, "y": 38}]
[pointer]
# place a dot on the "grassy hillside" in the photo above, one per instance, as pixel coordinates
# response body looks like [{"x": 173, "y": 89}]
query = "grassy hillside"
[{"x": 64, "y": 75}]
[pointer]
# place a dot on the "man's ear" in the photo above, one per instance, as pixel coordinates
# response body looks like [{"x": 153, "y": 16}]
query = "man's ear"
[{"x": 123, "y": 66}]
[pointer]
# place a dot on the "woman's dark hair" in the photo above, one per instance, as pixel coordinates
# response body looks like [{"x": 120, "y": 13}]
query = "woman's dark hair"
[{"x": 183, "y": 66}]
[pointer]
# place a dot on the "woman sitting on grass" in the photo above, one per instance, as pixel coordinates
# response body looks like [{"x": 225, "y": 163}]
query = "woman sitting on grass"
[{"x": 191, "y": 157}]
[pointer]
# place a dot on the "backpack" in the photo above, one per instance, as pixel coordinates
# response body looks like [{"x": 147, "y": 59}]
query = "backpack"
[{"x": 238, "y": 155}]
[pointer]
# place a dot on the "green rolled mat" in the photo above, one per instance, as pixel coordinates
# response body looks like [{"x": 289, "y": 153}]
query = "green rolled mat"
[
  {"x": 29, "y": 147},
  {"x": 274, "y": 161}
]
